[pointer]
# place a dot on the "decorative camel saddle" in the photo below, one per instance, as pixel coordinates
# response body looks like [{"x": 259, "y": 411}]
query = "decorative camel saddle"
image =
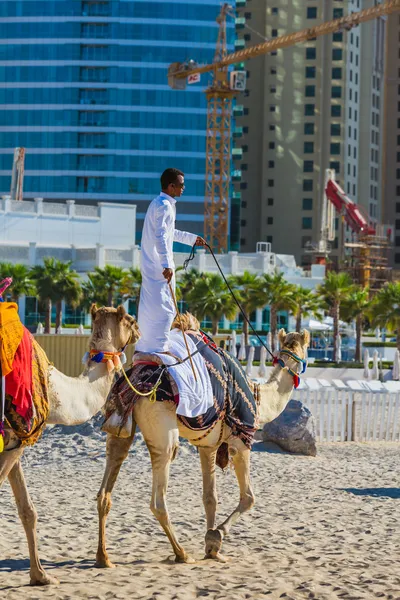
[
  {"x": 24, "y": 405},
  {"x": 233, "y": 400}
]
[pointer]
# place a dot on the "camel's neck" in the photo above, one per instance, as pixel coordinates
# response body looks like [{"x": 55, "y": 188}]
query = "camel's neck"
[
  {"x": 275, "y": 394},
  {"x": 74, "y": 400}
]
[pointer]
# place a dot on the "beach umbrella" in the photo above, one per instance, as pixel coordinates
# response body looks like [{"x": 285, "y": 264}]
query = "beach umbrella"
[
  {"x": 59, "y": 330},
  {"x": 249, "y": 365},
  {"x": 233, "y": 343},
  {"x": 40, "y": 328},
  {"x": 366, "y": 363},
  {"x": 276, "y": 338},
  {"x": 262, "y": 370},
  {"x": 396, "y": 366},
  {"x": 81, "y": 329},
  {"x": 269, "y": 340},
  {"x": 242, "y": 349},
  {"x": 375, "y": 365}
]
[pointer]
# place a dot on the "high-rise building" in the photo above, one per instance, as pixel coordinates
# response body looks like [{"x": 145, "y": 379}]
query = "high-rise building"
[
  {"x": 83, "y": 87},
  {"x": 309, "y": 107},
  {"x": 391, "y": 126}
]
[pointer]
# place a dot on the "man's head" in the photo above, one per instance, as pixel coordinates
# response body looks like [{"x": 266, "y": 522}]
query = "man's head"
[{"x": 173, "y": 182}]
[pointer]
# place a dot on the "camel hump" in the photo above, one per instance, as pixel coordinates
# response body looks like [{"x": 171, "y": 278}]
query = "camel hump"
[{"x": 187, "y": 322}]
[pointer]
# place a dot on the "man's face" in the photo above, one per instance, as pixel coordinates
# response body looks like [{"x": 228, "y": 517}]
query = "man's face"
[{"x": 176, "y": 189}]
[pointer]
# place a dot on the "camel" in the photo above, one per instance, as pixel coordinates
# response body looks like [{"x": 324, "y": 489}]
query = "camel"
[
  {"x": 73, "y": 400},
  {"x": 161, "y": 430}
]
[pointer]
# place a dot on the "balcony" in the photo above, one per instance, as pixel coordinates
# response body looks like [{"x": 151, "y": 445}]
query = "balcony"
[
  {"x": 236, "y": 175},
  {"x": 236, "y": 195},
  {"x": 238, "y": 110},
  {"x": 238, "y": 132},
  {"x": 240, "y": 22},
  {"x": 241, "y": 3},
  {"x": 240, "y": 44},
  {"x": 237, "y": 153}
]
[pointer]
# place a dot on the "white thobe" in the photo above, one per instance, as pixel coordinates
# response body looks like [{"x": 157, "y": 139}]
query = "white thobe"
[{"x": 156, "y": 306}]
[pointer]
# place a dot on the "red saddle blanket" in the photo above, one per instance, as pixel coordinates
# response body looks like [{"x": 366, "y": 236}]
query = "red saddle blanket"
[{"x": 19, "y": 380}]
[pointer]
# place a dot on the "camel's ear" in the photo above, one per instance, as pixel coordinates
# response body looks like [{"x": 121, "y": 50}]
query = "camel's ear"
[
  {"x": 281, "y": 337},
  {"x": 121, "y": 312},
  {"x": 305, "y": 337},
  {"x": 93, "y": 311}
]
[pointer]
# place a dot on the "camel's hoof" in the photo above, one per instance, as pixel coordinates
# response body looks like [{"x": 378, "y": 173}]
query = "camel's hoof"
[
  {"x": 44, "y": 579},
  {"x": 217, "y": 556},
  {"x": 104, "y": 563},
  {"x": 214, "y": 539},
  {"x": 187, "y": 559}
]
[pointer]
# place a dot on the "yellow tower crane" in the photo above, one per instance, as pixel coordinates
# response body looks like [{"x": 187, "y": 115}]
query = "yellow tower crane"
[{"x": 220, "y": 95}]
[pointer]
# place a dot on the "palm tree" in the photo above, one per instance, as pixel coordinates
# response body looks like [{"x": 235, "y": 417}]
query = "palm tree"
[
  {"x": 209, "y": 297},
  {"x": 307, "y": 304},
  {"x": 185, "y": 281},
  {"x": 92, "y": 294},
  {"x": 334, "y": 292},
  {"x": 278, "y": 293},
  {"x": 130, "y": 286},
  {"x": 55, "y": 282},
  {"x": 385, "y": 309},
  {"x": 22, "y": 284},
  {"x": 355, "y": 307},
  {"x": 110, "y": 279},
  {"x": 247, "y": 291}
]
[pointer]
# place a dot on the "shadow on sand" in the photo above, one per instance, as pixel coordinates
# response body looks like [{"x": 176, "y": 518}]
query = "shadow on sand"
[{"x": 374, "y": 492}]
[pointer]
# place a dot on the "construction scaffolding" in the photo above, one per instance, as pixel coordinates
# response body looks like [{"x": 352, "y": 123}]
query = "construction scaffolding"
[{"x": 367, "y": 259}]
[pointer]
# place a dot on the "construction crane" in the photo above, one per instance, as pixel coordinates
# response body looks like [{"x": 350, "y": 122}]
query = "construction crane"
[
  {"x": 367, "y": 260},
  {"x": 17, "y": 175},
  {"x": 220, "y": 93}
]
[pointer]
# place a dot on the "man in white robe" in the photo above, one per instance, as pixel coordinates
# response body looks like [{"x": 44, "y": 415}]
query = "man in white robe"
[{"x": 156, "y": 306}]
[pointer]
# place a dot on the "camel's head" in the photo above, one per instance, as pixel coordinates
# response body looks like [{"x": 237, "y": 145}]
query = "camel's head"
[
  {"x": 187, "y": 321},
  {"x": 295, "y": 342},
  {"x": 112, "y": 328}
]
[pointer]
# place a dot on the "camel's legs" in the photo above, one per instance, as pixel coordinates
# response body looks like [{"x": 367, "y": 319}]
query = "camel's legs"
[
  {"x": 117, "y": 451},
  {"x": 28, "y": 517},
  {"x": 210, "y": 498},
  {"x": 161, "y": 460},
  {"x": 240, "y": 455},
  {"x": 7, "y": 461}
]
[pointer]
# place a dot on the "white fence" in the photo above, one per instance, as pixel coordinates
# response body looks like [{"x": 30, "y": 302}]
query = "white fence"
[{"x": 353, "y": 416}]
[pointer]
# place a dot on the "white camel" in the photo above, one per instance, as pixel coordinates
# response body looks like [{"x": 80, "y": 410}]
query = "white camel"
[
  {"x": 161, "y": 430},
  {"x": 73, "y": 400}
]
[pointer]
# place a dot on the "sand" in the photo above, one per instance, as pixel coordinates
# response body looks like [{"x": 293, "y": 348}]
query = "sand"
[{"x": 325, "y": 527}]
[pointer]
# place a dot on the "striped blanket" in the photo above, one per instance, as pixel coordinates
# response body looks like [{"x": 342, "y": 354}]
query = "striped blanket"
[{"x": 233, "y": 399}]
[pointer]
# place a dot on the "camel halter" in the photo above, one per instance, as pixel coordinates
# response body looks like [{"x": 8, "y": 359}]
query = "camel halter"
[{"x": 301, "y": 361}]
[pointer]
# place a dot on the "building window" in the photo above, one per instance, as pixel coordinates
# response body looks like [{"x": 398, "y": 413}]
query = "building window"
[
  {"x": 243, "y": 223},
  {"x": 270, "y": 220},
  {"x": 335, "y": 165},
  {"x": 274, "y": 33},
  {"x": 309, "y": 110},
  {"x": 312, "y": 12},
  {"x": 271, "y": 183},
  {"x": 337, "y": 73},
  {"x": 337, "y": 37},
  {"x": 311, "y": 53},
  {"x": 271, "y": 145},
  {"x": 307, "y": 203},
  {"x": 308, "y": 166},
  {"x": 309, "y": 128},
  {"x": 337, "y": 13},
  {"x": 335, "y": 129},
  {"x": 310, "y": 91},
  {"x": 308, "y": 185},
  {"x": 272, "y": 70},
  {"x": 270, "y": 201},
  {"x": 335, "y": 148},
  {"x": 397, "y": 257},
  {"x": 243, "y": 185},
  {"x": 272, "y": 127},
  {"x": 274, "y": 10},
  {"x": 271, "y": 164},
  {"x": 336, "y": 91},
  {"x": 308, "y": 147},
  {"x": 310, "y": 72},
  {"x": 272, "y": 108},
  {"x": 272, "y": 89},
  {"x": 337, "y": 54},
  {"x": 336, "y": 110},
  {"x": 306, "y": 223}
]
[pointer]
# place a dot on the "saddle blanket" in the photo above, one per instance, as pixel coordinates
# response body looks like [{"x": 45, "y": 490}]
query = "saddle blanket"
[
  {"x": 232, "y": 397},
  {"x": 195, "y": 395}
]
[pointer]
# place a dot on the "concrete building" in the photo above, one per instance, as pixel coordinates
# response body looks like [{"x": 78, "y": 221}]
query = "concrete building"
[
  {"x": 309, "y": 107},
  {"x": 391, "y": 189},
  {"x": 93, "y": 236},
  {"x": 83, "y": 87}
]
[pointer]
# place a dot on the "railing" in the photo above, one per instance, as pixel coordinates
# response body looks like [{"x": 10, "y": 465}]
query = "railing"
[
  {"x": 18, "y": 206},
  {"x": 84, "y": 210},
  {"x": 347, "y": 416},
  {"x": 53, "y": 208}
]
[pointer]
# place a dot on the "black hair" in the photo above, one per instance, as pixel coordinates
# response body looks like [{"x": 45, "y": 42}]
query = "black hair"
[{"x": 169, "y": 176}]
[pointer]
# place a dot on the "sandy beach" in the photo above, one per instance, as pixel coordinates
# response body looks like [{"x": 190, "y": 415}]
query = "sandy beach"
[{"x": 325, "y": 527}]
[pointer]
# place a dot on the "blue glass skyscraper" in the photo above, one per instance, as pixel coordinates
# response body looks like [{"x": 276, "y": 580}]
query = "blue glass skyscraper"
[{"x": 83, "y": 87}]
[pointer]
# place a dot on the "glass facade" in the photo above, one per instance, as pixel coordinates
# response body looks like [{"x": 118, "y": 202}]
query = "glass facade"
[{"x": 83, "y": 87}]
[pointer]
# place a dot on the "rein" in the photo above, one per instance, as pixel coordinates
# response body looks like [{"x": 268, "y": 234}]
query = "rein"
[{"x": 278, "y": 361}]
